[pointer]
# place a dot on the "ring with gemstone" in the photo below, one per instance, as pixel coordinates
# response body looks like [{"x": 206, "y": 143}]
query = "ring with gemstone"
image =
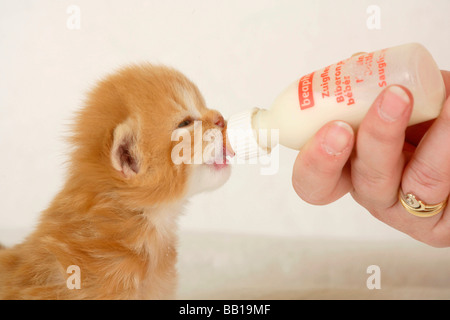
[{"x": 418, "y": 207}]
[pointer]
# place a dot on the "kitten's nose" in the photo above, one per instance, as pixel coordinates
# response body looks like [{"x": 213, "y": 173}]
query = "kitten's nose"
[{"x": 219, "y": 120}]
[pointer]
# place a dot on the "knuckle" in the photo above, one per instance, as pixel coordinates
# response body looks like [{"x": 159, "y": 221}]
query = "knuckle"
[
  {"x": 368, "y": 177},
  {"x": 425, "y": 174},
  {"x": 382, "y": 135}
]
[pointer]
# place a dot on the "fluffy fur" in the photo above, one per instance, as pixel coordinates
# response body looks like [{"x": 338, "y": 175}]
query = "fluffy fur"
[{"x": 116, "y": 216}]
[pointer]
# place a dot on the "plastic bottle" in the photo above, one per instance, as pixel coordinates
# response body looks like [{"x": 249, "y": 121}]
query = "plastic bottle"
[{"x": 342, "y": 91}]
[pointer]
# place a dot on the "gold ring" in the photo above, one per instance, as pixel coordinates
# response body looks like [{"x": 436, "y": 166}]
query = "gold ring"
[{"x": 417, "y": 207}]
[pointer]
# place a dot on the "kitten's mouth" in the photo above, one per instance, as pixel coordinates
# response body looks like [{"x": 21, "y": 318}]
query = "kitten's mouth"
[{"x": 222, "y": 162}]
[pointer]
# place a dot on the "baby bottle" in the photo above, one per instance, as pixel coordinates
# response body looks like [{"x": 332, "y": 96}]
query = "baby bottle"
[{"x": 342, "y": 91}]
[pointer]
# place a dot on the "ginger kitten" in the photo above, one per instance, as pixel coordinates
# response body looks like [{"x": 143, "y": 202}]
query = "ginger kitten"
[{"x": 116, "y": 216}]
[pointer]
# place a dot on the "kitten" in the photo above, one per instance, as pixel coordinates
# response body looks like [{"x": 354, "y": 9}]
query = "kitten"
[{"x": 116, "y": 217}]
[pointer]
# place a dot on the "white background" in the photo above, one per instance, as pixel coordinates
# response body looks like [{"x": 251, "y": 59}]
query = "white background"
[{"x": 241, "y": 54}]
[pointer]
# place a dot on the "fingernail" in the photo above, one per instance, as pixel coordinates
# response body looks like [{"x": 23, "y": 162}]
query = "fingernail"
[
  {"x": 337, "y": 138},
  {"x": 393, "y": 104}
]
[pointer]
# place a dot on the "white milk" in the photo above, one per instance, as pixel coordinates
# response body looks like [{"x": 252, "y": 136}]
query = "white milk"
[{"x": 342, "y": 91}]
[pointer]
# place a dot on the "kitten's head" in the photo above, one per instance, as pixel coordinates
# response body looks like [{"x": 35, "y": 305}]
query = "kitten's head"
[{"x": 147, "y": 137}]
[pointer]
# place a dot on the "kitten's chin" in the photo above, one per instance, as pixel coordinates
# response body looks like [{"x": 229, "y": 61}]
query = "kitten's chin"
[{"x": 207, "y": 177}]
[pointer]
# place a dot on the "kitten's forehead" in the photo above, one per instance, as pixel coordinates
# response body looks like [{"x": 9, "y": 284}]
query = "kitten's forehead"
[{"x": 190, "y": 101}]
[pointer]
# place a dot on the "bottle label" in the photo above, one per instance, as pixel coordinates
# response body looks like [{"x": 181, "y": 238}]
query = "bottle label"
[
  {"x": 305, "y": 92},
  {"x": 337, "y": 82}
]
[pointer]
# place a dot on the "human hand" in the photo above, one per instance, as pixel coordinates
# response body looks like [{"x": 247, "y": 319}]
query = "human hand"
[{"x": 384, "y": 156}]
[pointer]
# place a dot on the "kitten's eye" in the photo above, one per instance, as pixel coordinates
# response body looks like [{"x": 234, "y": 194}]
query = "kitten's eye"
[{"x": 185, "y": 123}]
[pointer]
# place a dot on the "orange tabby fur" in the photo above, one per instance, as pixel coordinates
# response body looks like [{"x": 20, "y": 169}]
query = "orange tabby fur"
[{"x": 116, "y": 215}]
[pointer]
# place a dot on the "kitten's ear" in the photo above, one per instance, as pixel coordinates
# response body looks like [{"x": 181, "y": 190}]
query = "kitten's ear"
[{"x": 125, "y": 155}]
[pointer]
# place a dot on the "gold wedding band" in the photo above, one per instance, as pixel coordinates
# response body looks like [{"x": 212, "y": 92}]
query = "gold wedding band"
[{"x": 417, "y": 207}]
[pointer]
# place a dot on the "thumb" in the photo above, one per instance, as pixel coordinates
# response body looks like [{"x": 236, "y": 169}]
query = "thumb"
[{"x": 320, "y": 175}]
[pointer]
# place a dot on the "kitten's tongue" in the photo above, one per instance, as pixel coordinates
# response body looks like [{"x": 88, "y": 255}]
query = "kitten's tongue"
[
  {"x": 227, "y": 150},
  {"x": 222, "y": 163}
]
